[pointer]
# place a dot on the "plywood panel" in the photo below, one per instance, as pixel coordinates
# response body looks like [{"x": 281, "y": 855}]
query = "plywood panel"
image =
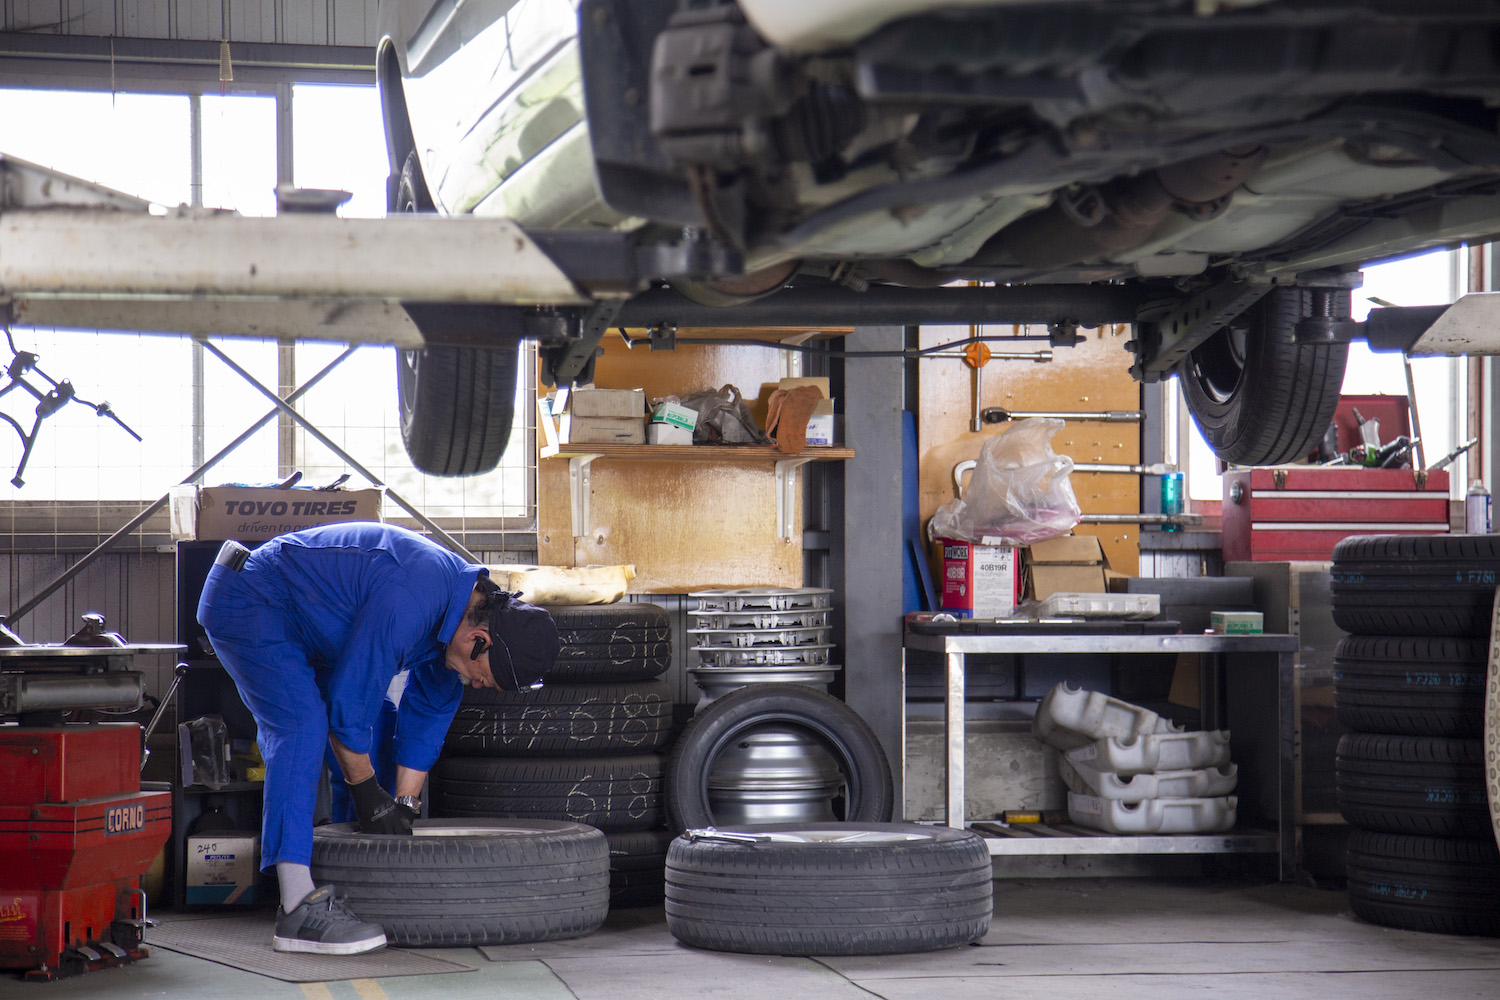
[
  {"x": 685, "y": 526},
  {"x": 1092, "y": 376}
]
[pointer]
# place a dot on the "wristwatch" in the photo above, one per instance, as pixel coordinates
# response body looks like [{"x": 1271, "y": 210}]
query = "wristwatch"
[{"x": 412, "y": 802}]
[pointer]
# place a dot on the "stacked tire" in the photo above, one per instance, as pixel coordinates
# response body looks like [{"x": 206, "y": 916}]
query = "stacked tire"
[
  {"x": 1409, "y": 684},
  {"x": 586, "y": 748}
]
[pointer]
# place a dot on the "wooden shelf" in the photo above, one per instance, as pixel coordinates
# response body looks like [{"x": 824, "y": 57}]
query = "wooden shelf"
[
  {"x": 719, "y": 454},
  {"x": 581, "y": 456}
]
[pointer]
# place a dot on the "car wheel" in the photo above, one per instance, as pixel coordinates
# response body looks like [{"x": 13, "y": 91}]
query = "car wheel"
[
  {"x": 787, "y": 725},
  {"x": 829, "y": 889},
  {"x": 562, "y": 720},
  {"x": 478, "y": 882},
  {"x": 1259, "y": 398},
  {"x": 456, "y": 403},
  {"x": 1432, "y": 884}
]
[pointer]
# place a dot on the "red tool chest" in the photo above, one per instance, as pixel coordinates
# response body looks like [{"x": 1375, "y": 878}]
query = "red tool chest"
[{"x": 1298, "y": 513}]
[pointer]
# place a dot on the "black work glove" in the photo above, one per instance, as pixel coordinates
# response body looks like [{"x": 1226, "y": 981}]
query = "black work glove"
[{"x": 378, "y": 812}]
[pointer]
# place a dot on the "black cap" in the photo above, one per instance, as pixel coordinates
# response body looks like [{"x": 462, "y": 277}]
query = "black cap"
[{"x": 525, "y": 640}]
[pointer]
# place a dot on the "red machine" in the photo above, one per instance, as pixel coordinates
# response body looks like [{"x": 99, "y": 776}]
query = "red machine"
[
  {"x": 1298, "y": 513},
  {"x": 76, "y": 830}
]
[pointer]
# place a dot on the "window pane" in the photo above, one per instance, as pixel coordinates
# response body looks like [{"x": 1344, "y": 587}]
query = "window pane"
[
  {"x": 338, "y": 139},
  {"x": 239, "y": 154}
]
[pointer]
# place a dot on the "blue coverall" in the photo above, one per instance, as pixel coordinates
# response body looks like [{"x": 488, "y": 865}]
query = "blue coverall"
[{"x": 312, "y": 629}]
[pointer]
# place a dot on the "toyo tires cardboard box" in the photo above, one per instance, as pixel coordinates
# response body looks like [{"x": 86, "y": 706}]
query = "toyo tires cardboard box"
[{"x": 254, "y": 514}]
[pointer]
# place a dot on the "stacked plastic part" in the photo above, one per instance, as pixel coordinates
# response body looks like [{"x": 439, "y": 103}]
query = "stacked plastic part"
[
  {"x": 1130, "y": 771},
  {"x": 761, "y": 635}
]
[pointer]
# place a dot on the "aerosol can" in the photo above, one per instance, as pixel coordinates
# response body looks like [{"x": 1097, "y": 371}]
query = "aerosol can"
[{"x": 1477, "y": 509}]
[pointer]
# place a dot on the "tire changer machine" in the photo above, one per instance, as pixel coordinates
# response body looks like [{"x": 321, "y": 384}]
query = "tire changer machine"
[{"x": 77, "y": 831}]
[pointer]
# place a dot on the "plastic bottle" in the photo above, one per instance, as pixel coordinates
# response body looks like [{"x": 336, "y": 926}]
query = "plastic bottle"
[
  {"x": 1477, "y": 509},
  {"x": 1171, "y": 497}
]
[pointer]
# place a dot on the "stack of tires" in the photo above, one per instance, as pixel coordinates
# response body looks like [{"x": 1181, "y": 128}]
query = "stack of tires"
[
  {"x": 586, "y": 748},
  {"x": 1409, "y": 685}
]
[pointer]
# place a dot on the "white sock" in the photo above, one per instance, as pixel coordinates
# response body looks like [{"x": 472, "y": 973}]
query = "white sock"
[{"x": 296, "y": 884}]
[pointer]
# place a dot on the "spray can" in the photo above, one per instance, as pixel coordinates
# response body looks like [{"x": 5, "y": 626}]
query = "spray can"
[
  {"x": 1171, "y": 497},
  {"x": 1477, "y": 509}
]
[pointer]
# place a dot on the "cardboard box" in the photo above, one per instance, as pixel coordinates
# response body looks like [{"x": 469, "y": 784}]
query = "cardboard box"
[
  {"x": 620, "y": 403},
  {"x": 820, "y": 423},
  {"x": 603, "y": 430},
  {"x": 250, "y": 513},
  {"x": 223, "y": 868},
  {"x": 667, "y": 434},
  {"x": 979, "y": 581},
  {"x": 1067, "y": 564},
  {"x": 1236, "y": 622}
]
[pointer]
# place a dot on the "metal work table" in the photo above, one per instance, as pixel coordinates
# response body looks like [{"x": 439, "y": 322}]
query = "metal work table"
[{"x": 1246, "y": 686}]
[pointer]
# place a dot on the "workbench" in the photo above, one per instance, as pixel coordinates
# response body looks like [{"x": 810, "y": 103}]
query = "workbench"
[{"x": 1246, "y": 686}]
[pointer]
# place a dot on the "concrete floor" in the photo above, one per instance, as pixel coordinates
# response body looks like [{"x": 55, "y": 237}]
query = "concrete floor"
[{"x": 1058, "y": 939}]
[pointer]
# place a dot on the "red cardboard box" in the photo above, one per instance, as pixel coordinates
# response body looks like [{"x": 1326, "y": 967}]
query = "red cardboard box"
[{"x": 979, "y": 581}]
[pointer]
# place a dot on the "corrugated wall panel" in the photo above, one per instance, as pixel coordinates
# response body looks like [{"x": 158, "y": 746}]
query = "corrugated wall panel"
[
  {"x": 295, "y": 22},
  {"x": 146, "y": 19}
]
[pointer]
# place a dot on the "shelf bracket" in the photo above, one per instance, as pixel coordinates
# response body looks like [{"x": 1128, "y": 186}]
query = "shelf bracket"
[
  {"x": 578, "y": 490},
  {"x": 786, "y": 495}
]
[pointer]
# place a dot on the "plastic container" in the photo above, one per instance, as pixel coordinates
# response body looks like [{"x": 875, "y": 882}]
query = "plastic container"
[
  {"x": 1171, "y": 498},
  {"x": 1153, "y": 815},
  {"x": 746, "y": 637},
  {"x": 1069, "y": 717},
  {"x": 1209, "y": 782},
  {"x": 1135, "y": 606},
  {"x": 1191, "y": 750},
  {"x": 1477, "y": 510}
]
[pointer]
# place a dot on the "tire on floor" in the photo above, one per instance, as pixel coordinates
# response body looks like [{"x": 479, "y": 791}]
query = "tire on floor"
[
  {"x": 615, "y": 794},
  {"x": 475, "y": 882},
  {"x": 1435, "y": 884},
  {"x": 848, "y": 739},
  {"x": 829, "y": 889},
  {"x": 563, "y": 720}
]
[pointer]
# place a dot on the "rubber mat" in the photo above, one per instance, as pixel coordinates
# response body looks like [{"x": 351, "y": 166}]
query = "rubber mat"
[{"x": 243, "y": 941}]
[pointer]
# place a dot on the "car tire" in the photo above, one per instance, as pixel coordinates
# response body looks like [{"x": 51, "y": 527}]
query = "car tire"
[
  {"x": 1410, "y": 686},
  {"x": 479, "y": 882},
  {"x": 615, "y": 794},
  {"x": 832, "y": 725},
  {"x": 829, "y": 889},
  {"x": 1422, "y": 785},
  {"x": 562, "y": 720},
  {"x": 637, "y": 868},
  {"x": 456, "y": 404},
  {"x": 611, "y": 642},
  {"x": 1258, "y": 397},
  {"x": 1434, "y": 884},
  {"x": 1419, "y": 585}
]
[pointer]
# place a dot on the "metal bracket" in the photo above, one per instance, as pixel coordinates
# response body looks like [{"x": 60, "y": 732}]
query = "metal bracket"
[
  {"x": 578, "y": 491},
  {"x": 786, "y": 495},
  {"x": 1192, "y": 322}
]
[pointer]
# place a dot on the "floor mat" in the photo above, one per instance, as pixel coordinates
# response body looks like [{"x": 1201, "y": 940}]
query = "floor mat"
[{"x": 243, "y": 941}]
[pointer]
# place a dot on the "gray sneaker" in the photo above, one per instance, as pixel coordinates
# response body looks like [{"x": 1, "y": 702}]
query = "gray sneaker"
[{"x": 323, "y": 925}]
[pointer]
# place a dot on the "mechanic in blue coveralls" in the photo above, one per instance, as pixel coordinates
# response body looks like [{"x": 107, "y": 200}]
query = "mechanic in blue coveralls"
[{"x": 313, "y": 625}]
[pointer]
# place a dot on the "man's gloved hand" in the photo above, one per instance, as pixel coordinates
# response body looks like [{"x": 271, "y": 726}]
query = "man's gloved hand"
[{"x": 378, "y": 812}]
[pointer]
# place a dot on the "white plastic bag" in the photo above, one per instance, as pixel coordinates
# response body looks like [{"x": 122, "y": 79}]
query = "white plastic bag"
[{"x": 1018, "y": 493}]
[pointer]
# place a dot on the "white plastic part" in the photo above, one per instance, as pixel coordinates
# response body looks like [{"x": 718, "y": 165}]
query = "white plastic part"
[
  {"x": 760, "y": 619},
  {"x": 1070, "y": 717},
  {"x": 1100, "y": 606},
  {"x": 1208, "y": 782},
  {"x": 736, "y": 656},
  {"x": 747, "y": 637},
  {"x": 1187, "y": 751},
  {"x": 763, "y": 599},
  {"x": 1153, "y": 815}
]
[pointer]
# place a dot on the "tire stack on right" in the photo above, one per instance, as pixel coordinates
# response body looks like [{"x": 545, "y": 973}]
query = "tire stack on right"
[
  {"x": 585, "y": 748},
  {"x": 1409, "y": 684}
]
